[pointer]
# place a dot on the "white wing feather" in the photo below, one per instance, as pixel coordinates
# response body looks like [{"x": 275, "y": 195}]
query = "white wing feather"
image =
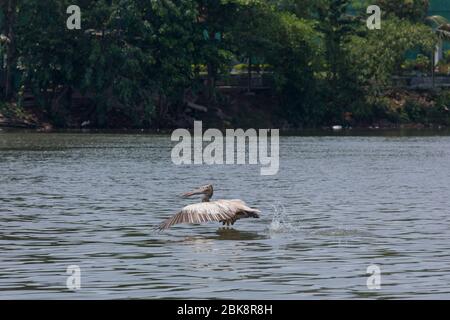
[{"x": 220, "y": 210}]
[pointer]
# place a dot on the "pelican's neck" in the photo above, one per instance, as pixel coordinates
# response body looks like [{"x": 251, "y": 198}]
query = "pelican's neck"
[{"x": 207, "y": 196}]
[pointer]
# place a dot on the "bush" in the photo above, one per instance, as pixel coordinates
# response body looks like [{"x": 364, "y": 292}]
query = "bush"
[
  {"x": 422, "y": 64},
  {"x": 443, "y": 68},
  {"x": 201, "y": 68},
  {"x": 242, "y": 67},
  {"x": 371, "y": 109},
  {"x": 415, "y": 111},
  {"x": 446, "y": 56},
  {"x": 440, "y": 111}
]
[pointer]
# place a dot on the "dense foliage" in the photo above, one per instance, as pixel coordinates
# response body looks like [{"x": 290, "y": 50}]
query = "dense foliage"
[{"x": 142, "y": 56}]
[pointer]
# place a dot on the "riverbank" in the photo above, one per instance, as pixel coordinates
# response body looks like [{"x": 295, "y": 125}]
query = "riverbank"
[
  {"x": 396, "y": 109},
  {"x": 14, "y": 116}
]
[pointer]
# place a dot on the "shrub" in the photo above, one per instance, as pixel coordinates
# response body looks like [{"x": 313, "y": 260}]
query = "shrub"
[
  {"x": 200, "y": 68},
  {"x": 447, "y": 56},
  {"x": 415, "y": 111},
  {"x": 440, "y": 111},
  {"x": 371, "y": 109},
  {"x": 422, "y": 63},
  {"x": 241, "y": 67}
]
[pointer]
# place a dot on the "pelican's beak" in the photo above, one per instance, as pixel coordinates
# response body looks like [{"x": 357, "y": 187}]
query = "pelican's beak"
[{"x": 194, "y": 192}]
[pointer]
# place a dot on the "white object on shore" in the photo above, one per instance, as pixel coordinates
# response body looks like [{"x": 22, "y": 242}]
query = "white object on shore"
[
  {"x": 337, "y": 128},
  {"x": 197, "y": 107}
]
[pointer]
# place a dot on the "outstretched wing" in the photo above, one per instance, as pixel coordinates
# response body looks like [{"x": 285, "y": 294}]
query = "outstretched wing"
[
  {"x": 202, "y": 212},
  {"x": 240, "y": 206}
]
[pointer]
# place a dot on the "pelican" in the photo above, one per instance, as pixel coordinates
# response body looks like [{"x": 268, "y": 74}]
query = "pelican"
[{"x": 225, "y": 211}]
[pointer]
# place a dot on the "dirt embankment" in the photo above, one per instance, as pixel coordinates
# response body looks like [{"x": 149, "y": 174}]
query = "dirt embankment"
[
  {"x": 232, "y": 109},
  {"x": 14, "y": 116}
]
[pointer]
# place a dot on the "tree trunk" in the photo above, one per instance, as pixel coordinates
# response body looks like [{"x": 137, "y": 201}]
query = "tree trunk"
[
  {"x": 211, "y": 82},
  {"x": 162, "y": 107},
  {"x": 249, "y": 86},
  {"x": 10, "y": 48},
  {"x": 438, "y": 54},
  {"x": 433, "y": 62}
]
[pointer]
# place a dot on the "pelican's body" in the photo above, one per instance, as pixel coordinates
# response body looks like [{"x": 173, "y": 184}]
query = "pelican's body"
[{"x": 225, "y": 211}]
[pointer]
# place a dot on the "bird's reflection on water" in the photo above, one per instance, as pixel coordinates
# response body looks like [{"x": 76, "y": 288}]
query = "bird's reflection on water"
[
  {"x": 225, "y": 233},
  {"x": 233, "y": 234}
]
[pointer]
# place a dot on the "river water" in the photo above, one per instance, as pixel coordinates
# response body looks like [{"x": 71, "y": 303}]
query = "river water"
[{"x": 339, "y": 204}]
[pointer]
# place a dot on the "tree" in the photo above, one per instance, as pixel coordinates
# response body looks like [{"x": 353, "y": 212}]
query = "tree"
[
  {"x": 213, "y": 34},
  {"x": 250, "y": 33},
  {"x": 8, "y": 39},
  {"x": 131, "y": 55},
  {"x": 337, "y": 26},
  {"x": 377, "y": 56},
  {"x": 300, "y": 8},
  {"x": 295, "y": 55},
  {"x": 143, "y": 54},
  {"x": 412, "y": 10}
]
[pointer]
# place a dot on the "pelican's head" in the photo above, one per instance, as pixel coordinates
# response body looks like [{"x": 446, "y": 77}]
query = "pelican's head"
[{"x": 207, "y": 191}]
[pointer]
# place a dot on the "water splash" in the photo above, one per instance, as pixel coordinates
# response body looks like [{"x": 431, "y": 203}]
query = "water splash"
[{"x": 281, "y": 222}]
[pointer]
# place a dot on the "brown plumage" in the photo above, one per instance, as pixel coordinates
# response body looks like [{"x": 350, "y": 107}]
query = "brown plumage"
[{"x": 225, "y": 211}]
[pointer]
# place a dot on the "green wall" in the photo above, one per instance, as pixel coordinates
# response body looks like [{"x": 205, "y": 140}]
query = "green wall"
[{"x": 440, "y": 8}]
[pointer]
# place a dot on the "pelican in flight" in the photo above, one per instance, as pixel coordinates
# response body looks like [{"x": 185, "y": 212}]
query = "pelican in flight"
[{"x": 225, "y": 211}]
